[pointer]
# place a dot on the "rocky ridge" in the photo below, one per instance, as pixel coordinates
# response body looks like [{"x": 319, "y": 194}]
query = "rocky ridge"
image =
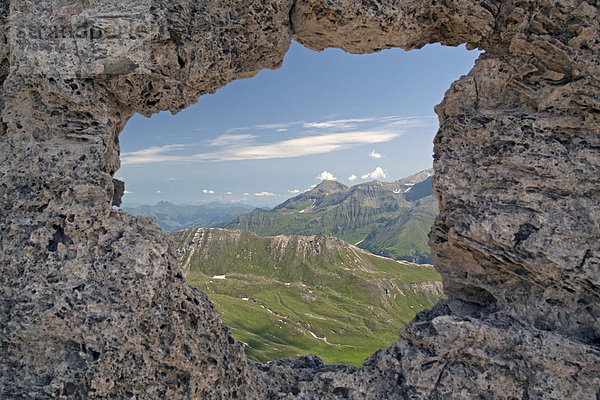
[{"x": 93, "y": 303}]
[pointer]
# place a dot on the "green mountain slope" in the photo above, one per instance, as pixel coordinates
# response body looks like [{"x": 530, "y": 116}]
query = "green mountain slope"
[
  {"x": 287, "y": 296},
  {"x": 386, "y": 218},
  {"x": 172, "y": 217},
  {"x": 405, "y": 237}
]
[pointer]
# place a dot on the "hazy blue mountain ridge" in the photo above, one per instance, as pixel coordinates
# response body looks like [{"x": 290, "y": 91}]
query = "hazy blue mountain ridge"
[{"x": 173, "y": 217}]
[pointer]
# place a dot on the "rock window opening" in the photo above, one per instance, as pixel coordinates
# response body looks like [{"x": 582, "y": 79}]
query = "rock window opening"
[{"x": 340, "y": 145}]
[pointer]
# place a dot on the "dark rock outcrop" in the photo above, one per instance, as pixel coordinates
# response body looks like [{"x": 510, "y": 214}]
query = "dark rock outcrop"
[{"x": 93, "y": 303}]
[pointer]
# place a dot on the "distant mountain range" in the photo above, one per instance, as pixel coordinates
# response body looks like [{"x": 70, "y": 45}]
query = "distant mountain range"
[
  {"x": 390, "y": 219},
  {"x": 287, "y": 296},
  {"x": 172, "y": 217}
]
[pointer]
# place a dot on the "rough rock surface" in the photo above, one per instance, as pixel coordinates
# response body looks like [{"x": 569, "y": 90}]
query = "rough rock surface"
[{"x": 93, "y": 304}]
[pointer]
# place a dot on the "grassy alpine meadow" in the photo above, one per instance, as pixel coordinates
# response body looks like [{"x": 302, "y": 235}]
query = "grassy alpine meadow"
[{"x": 288, "y": 296}]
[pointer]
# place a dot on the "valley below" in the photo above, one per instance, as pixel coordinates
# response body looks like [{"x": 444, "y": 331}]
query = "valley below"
[{"x": 287, "y": 296}]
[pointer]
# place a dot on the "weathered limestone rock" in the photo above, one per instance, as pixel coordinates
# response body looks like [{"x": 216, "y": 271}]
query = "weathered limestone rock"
[{"x": 93, "y": 304}]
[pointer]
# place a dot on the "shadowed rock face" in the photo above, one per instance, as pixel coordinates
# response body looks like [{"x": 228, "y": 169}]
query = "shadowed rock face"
[{"x": 93, "y": 303}]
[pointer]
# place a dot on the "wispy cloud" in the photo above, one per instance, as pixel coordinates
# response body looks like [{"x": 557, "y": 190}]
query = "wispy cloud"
[
  {"x": 326, "y": 176},
  {"x": 261, "y": 194},
  {"x": 352, "y": 177},
  {"x": 330, "y": 124},
  {"x": 154, "y": 154},
  {"x": 231, "y": 140},
  {"x": 294, "y": 191},
  {"x": 303, "y": 146},
  {"x": 313, "y": 138},
  {"x": 376, "y": 174},
  {"x": 278, "y": 127},
  {"x": 206, "y": 191},
  {"x": 337, "y": 123}
]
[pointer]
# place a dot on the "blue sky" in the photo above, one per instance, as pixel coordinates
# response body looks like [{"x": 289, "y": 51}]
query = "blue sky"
[{"x": 353, "y": 118}]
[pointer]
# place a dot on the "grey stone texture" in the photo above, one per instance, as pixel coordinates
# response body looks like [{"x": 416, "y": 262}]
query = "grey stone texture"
[{"x": 93, "y": 303}]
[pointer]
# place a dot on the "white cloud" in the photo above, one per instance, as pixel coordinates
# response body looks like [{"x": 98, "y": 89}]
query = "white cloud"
[
  {"x": 302, "y": 146},
  {"x": 326, "y": 176},
  {"x": 229, "y": 193},
  {"x": 376, "y": 174},
  {"x": 152, "y": 154},
  {"x": 352, "y": 177},
  {"x": 208, "y": 191},
  {"x": 272, "y": 126},
  {"x": 127, "y": 192},
  {"x": 158, "y": 191},
  {"x": 231, "y": 140},
  {"x": 242, "y": 150},
  {"x": 277, "y": 127},
  {"x": 294, "y": 191},
  {"x": 333, "y": 124},
  {"x": 245, "y": 194},
  {"x": 229, "y": 147},
  {"x": 337, "y": 123},
  {"x": 265, "y": 194}
]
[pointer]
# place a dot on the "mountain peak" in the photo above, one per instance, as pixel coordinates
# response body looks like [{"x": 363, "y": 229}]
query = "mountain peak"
[
  {"x": 329, "y": 186},
  {"x": 416, "y": 178},
  {"x": 388, "y": 218}
]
